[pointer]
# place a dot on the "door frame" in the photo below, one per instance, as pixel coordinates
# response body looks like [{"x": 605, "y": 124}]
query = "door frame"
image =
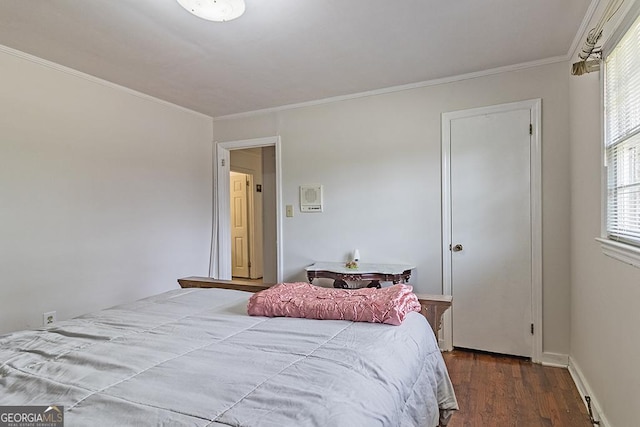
[
  {"x": 535, "y": 106},
  {"x": 220, "y": 262}
]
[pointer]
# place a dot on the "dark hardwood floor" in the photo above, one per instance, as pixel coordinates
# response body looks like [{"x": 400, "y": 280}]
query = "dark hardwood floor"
[{"x": 502, "y": 391}]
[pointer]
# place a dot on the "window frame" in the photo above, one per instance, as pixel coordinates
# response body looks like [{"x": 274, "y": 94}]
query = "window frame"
[{"x": 620, "y": 250}]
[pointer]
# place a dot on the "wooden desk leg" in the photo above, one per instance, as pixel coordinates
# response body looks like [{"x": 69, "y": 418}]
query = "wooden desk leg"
[
  {"x": 340, "y": 284},
  {"x": 433, "y": 307}
]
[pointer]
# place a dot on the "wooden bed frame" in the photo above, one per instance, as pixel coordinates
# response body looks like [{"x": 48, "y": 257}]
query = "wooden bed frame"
[{"x": 433, "y": 306}]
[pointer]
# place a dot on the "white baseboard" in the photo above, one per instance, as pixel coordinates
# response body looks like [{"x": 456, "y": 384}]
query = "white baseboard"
[
  {"x": 443, "y": 345},
  {"x": 554, "y": 359},
  {"x": 585, "y": 390}
]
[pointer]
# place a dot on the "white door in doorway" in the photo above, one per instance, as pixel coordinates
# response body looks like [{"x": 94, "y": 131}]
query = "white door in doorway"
[
  {"x": 239, "y": 225},
  {"x": 491, "y": 231}
]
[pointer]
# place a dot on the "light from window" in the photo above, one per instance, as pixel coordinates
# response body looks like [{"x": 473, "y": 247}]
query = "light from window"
[{"x": 622, "y": 138}]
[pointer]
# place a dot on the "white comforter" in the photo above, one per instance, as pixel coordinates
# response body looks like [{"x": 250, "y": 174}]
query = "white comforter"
[{"x": 194, "y": 357}]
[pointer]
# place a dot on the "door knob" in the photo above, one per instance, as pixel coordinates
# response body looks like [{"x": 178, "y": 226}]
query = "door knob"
[{"x": 457, "y": 248}]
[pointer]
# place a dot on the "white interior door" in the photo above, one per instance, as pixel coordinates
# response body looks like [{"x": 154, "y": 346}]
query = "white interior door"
[
  {"x": 239, "y": 225},
  {"x": 491, "y": 231}
]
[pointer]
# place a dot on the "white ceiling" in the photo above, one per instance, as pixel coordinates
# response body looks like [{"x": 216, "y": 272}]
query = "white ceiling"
[{"x": 284, "y": 52}]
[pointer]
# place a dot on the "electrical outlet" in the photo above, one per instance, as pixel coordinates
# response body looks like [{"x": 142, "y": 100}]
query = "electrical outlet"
[
  {"x": 289, "y": 211},
  {"x": 48, "y": 318}
]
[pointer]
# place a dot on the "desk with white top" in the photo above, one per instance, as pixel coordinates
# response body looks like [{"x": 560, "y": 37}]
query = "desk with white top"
[{"x": 340, "y": 273}]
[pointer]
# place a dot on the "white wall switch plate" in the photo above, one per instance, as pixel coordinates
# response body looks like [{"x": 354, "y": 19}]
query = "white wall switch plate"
[{"x": 289, "y": 210}]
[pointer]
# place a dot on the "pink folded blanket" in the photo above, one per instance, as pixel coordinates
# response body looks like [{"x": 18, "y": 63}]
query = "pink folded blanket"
[{"x": 387, "y": 305}]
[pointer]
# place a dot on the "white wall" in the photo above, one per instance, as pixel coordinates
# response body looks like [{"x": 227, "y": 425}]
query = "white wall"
[
  {"x": 105, "y": 196},
  {"x": 378, "y": 158},
  {"x": 605, "y": 293}
]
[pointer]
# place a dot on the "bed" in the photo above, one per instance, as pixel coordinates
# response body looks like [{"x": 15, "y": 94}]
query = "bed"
[{"x": 194, "y": 357}]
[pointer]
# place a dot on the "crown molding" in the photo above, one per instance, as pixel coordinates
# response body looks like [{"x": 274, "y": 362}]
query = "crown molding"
[
  {"x": 426, "y": 83},
  {"x": 581, "y": 34},
  {"x": 575, "y": 45},
  {"x": 400, "y": 88},
  {"x": 61, "y": 68}
]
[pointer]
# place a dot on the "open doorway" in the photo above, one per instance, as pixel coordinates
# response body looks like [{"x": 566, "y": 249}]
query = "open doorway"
[{"x": 257, "y": 160}]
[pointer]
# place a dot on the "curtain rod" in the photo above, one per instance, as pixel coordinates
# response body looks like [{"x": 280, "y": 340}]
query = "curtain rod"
[{"x": 589, "y": 48}]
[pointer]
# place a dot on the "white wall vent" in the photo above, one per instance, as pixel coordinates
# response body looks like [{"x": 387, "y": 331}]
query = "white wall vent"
[{"x": 311, "y": 198}]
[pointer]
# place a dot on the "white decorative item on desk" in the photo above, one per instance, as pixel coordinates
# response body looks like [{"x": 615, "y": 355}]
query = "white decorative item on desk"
[{"x": 356, "y": 255}]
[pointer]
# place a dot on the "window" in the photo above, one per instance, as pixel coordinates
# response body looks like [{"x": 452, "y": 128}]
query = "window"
[{"x": 622, "y": 138}]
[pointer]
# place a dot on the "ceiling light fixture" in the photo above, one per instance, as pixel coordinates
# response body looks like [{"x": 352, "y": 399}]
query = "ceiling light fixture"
[{"x": 214, "y": 10}]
